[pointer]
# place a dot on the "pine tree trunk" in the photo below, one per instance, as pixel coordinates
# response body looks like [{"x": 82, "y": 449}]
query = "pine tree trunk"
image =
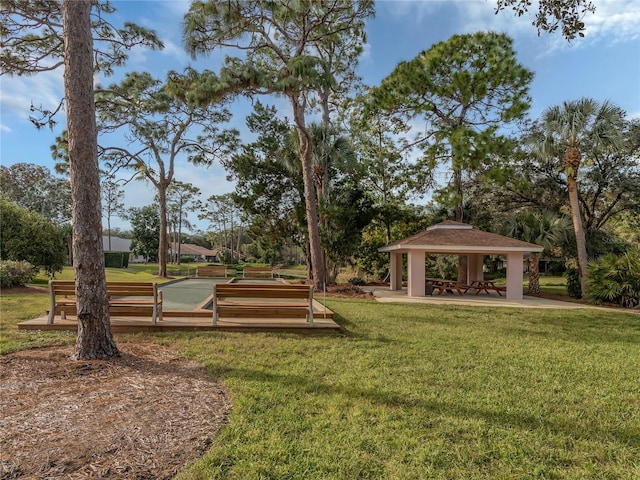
[
  {"x": 94, "y": 329},
  {"x": 162, "y": 244},
  {"x": 310, "y": 197},
  {"x": 534, "y": 274}
]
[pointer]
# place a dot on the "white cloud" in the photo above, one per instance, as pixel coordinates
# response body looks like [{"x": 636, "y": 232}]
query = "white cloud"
[
  {"x": 415, "y": 10},
  {"x": 176, "y": 51},
  {"x": 4, "y": 128},
  {"x": 365, "y": 56},
  {"x": 44, "y": 90},
  {"x": 617, "y": 20}
]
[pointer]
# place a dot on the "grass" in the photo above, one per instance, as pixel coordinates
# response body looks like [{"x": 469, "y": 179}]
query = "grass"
[
  {"x": 426, "y": 392},
  {"x": 136, "y": 272},
  {"x": 413, "y": 392}
]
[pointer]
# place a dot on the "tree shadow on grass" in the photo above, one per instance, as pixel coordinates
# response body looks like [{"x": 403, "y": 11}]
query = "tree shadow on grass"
[{"x": 628, "y": 436}]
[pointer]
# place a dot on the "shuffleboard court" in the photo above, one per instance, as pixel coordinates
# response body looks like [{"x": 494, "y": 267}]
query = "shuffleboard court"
[
  {"x": 188, "y": 294},
  {"x": 187, "y": 305},
  {"x": 195, "y": 293}
]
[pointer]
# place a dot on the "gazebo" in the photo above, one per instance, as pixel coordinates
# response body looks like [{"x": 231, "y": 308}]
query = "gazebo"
[{"x": 456, "y": 238}]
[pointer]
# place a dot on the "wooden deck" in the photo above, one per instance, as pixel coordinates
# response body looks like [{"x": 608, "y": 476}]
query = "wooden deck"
[{"x": 199, "y": 320}]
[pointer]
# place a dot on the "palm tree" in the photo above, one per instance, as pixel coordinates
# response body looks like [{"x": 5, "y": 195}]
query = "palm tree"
[
  {"x": 544, "y": 229},
  {"x": 571, "y": 131},
  {"x": 330, "y": 153},
  {"x": 329, "y": 150}
]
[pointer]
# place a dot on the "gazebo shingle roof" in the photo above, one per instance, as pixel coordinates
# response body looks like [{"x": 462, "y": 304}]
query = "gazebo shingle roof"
[{"x": 456, "y": 237}]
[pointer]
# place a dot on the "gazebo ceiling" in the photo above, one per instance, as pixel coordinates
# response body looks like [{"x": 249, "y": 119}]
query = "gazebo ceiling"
[{"x": 459, "y": 238}]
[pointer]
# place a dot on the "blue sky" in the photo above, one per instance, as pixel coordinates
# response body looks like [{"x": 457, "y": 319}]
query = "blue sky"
[{"x": 604, "y": 65}]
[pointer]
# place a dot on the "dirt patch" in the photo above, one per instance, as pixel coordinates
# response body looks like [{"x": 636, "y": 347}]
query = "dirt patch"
[
  {"x": 346, "y": 290},
  {"x": 143, "y": 415}
]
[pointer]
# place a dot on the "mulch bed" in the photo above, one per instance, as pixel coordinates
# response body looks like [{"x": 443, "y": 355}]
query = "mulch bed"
[{"x": 143, "y": 415}]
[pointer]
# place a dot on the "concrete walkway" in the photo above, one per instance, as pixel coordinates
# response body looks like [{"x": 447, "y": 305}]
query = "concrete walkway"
[{"x": 383, "y": 294}]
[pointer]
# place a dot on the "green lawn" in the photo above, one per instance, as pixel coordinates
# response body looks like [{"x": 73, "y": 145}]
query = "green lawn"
[{"x": 417, "y": 391}]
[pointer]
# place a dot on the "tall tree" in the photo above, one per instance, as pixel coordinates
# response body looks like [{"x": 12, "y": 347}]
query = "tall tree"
[
  {"x": 94, "y": 338},
  {"x": 281, "y": 44},
  {"x": 182, "y": 198},
  {"x": 112, "y": 195},
  {"x": 544, "y": 229},
  {"x": 226, "y": 219},
  {"x": 40, "y": 36},
  {"x": 333, "y": 158},
  {"x": 567, "y": 133},
  {"x": 608, "y": 188},
  {"x": 158, "y": 127},
  {"x": 34, "y": 187},
  {"x": 264, "y": 188},
  {"x": 387, "y": 175},
  {"x": 467, "y": 89},
  {"x": 145, "y": 230}
]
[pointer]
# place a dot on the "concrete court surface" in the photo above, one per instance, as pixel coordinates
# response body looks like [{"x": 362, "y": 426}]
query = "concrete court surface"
[{"x": 383, "y": 294}]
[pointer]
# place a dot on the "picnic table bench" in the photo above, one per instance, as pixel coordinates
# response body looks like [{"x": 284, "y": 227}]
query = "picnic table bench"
[
  {"x": 125, "y": 298},
  {"x": 483, "y": 286},
  {"x": 257, "y": 272},
  {"x": 211, "y": 271},
  {"x": 261, "y": 300},
  {"x": 443, "y": 285}
]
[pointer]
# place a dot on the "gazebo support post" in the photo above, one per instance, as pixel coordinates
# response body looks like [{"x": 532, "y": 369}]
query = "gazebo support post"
[
  {"x": 514, "y": 275},
  {"x": 416, "y": 273},
  {"x": 395, "y": 271},
  {"x": 475, "y": 264}
]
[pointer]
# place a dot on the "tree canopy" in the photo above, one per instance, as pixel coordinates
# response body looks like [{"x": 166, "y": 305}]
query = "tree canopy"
[
  {"x": 468, "y": 91},
  {"x": 281, "y": 44}
]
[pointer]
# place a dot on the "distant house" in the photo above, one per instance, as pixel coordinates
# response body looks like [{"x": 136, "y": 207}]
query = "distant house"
[
  {"x": 121, "y": 245},
  {"x": 195, "y": 252}
]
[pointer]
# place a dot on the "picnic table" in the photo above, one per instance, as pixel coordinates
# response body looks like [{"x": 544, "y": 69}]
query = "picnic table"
[
  {"x": 444, "y": 285},
  {"x": 483, "y": 286}
]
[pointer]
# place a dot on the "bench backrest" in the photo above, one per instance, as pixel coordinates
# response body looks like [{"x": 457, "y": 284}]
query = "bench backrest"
[
  {"x": 133, "y": 289},
  {"x": 263, "y": 291},
  {"x": 257, "y": 272},
  {"x": 211, "y": 271}
]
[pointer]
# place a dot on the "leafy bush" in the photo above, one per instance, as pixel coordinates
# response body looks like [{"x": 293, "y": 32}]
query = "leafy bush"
[
  {"x": 615, "y": 278},
  {"x": 356, "y": 281},
  {"x": 557, "y": 268},
  {"x": 16, "y": 274},
  {"x": 116, "y": 259},
  {"x": 29, "y": 237},
  {"x": 573, "y": 283}
]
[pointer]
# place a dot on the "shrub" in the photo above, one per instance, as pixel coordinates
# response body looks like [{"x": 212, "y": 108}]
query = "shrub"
[
  {"x": 615, "y": 278},
  {"x": 573, "y": 283},
  {"x": 16, "y": 274},
  {"x": 116, "y": 259},
  {"x": 557, "y": 268},
  {"x": 357, "y": 281},
  {"x": 29, "y": 237}
]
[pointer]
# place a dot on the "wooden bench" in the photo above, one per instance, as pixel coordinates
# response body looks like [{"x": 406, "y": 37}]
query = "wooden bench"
[
  {"x": 125, "y": 298},
  {"x": 212, "y": 272},
  {"x": 257, "y": 272},
  {"x": 259, "y": 301}
]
